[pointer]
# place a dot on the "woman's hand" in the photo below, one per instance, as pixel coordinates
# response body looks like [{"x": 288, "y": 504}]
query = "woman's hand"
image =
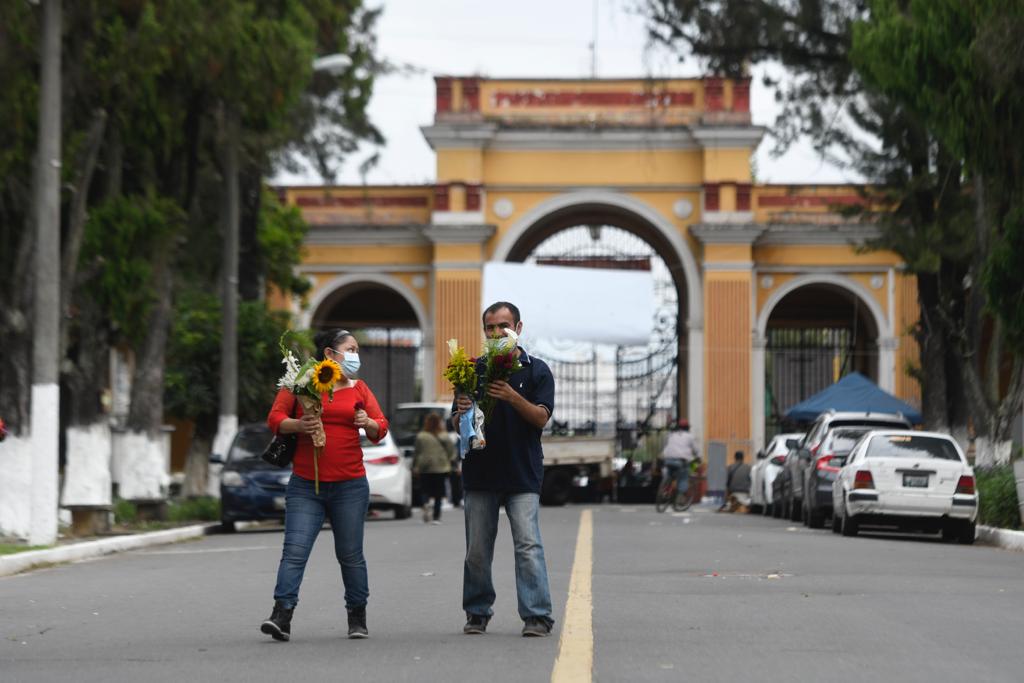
[
  {"x": 307, "y": 424},
  {"x": 463, "y": 403},
  {"x": 363, "y": 421}
]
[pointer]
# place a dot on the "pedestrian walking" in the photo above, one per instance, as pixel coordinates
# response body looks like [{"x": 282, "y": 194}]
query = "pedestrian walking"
[
  {"x": 508, "y": 472},
  {"x": 344, "y": 493},
  {"x": 432, "y": 455}
]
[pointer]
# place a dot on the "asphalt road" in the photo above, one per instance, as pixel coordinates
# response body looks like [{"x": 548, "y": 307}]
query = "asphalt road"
[{"x": 699, "y": 597}]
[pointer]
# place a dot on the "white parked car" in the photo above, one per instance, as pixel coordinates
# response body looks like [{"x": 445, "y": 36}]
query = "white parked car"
[
  {"x": 388, "y": 474},
  {"x": 906, "y": 479},
  {"x": 764, "y": 471}
]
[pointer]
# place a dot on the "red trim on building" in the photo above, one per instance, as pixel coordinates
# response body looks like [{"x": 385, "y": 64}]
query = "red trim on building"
[
  {"x": 741, "y": 95},
  {"x": 714, "y": 94},
  {"x": 443, "y": 85},
  {"x": 743, "y": 196},
  {"x": 565, "y": 98},
  {"x": 790, "y": 200},
  {"x": 356, "y": 202},
  {"x": 473, "y": 195},
  {"x": 471, "y": 94},
  {"x": 441, "y": 197},
  {"x": 711, "y": 196}
]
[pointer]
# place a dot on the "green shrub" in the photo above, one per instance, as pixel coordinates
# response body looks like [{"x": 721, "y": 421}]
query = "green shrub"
[
  {"x": 125, "y": 512},
  {"x": 997, "y": 493},
  {"x": 194, "y": 509}
]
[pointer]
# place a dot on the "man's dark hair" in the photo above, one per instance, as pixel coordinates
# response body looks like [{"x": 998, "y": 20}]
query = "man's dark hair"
[
  {"x": 497, "y": 306},
  {"x": 738, "y": 456}
]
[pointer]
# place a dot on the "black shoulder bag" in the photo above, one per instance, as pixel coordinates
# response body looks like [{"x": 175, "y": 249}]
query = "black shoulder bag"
[{"x": 282, "y": 449}]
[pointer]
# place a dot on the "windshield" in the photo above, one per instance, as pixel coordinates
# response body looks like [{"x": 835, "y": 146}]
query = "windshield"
[
  {"x": 407, "y": 422},
  {"x": 906, "y": 446},
  {"x": 250, "y": 443}
]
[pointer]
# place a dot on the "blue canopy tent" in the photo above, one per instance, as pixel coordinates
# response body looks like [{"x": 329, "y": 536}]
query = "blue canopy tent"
[{"x": 855, "y": 392}]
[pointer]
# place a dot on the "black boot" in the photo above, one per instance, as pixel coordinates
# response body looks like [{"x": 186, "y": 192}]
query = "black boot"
[
  {"x": 279, "y": 625},
  {"x": 357, "y": 622}
]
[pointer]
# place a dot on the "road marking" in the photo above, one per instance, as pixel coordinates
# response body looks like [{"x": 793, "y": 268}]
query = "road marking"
[{"x": 575, "y": 661}]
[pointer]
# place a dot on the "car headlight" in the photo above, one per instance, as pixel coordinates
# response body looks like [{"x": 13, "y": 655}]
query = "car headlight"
[{"x": 232, "y": 478}]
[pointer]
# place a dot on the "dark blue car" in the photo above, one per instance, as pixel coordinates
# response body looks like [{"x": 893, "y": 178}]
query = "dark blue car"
[{"x": 250, "y": 489}]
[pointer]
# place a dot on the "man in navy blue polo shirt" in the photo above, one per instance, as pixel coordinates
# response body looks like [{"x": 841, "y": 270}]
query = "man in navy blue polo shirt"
[{"x": 508, "y": 471}]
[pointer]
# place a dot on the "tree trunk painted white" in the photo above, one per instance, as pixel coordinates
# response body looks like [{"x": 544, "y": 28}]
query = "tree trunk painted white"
[
  {"x": 16, "y": 486},
  {"x": 144, "y": 465},
  {"x": 45, "y": 456},
  {"x": 989, "y": 453},
  {"x": 1018, "y": 473},
  {"x": 87, "y": 476}
]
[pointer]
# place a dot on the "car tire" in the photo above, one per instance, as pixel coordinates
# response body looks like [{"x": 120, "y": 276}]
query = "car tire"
[
  {"x": 766, "y": 510},
  {"x": 227, "y": 526},
  {"x": 850, "y": 527},
  {"x": 777, "y": 507},
  {"x": 813, "y": 517},
  {"x": 403, "y": 511},
  {"x": 967, "y": 532},
  {"x": 836, "y": 523},
  {"x": 796, "y": 509}
]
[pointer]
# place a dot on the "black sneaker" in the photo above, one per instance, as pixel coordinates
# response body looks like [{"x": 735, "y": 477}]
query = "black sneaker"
[
  {"x": 279, "y": 625},
  {"x": 536, "y": 627},
  {"x": 475, "y": 624},
  {"x": 357, "y": 623}
]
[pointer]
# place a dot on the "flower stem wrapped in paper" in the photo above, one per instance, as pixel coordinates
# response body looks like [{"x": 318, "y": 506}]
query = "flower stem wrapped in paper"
[
  {"x": 461, "y": 372},
  {"x": 309, "y": 381},
  {"x": 501, "y": 363}
]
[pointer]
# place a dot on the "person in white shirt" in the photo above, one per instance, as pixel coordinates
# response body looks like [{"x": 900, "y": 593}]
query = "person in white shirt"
[{"x": 679, "y": 452}]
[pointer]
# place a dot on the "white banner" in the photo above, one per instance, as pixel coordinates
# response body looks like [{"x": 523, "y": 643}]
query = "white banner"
[{"x": 595, "y": 305}]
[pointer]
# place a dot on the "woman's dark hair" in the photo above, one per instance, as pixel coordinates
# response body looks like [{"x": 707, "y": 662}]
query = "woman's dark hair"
[{"x": 325, "y": 338}]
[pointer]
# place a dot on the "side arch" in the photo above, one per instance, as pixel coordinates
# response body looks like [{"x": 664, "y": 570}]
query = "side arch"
[
  {"x": 887, "y": 343},
  {"x": 305, "y": 317}
]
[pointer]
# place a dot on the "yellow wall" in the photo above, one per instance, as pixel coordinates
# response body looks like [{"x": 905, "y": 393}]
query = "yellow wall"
[{"x": 601, "y": 168}]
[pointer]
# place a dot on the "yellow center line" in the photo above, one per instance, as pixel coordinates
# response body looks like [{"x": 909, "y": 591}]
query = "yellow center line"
[{"x": 575, "y": 661}]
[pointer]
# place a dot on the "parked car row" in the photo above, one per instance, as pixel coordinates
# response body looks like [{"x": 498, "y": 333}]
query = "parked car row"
[{"x": 864, "y": 469}]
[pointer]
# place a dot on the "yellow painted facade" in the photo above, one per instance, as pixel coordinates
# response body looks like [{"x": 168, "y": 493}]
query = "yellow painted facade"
[{"x": 668, "y": 160}]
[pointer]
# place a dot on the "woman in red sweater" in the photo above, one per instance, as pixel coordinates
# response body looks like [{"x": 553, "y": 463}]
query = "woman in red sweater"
[{"x": 344, "y": 493}]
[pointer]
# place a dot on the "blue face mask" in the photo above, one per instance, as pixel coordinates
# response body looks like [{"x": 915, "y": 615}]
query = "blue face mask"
[{"x": 350, "y": 364}]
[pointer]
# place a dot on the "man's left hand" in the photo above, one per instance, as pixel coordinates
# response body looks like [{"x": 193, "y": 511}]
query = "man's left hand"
[{"x": 502, "y": 391}]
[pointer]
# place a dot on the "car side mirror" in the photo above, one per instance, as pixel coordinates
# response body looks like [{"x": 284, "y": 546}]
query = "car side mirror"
[
  {"x": 761, "y": 455},
  {"x": 216, "y": 459}
]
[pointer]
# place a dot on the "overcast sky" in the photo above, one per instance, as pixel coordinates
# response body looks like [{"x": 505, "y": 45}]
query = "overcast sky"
[{"x": 528, "y": 38}]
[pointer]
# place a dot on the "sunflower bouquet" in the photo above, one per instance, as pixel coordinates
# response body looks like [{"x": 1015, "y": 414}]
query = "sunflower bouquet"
[
  {"x": 461, "y": 372},
  {"x": 309, "y": 381},
  {"x": 500, "y": 363}
]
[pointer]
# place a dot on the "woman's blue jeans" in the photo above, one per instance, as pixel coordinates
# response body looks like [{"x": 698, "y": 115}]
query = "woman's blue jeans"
[
  {"x": 344, "y": 503},
  {"x": 481, "y": 513}
]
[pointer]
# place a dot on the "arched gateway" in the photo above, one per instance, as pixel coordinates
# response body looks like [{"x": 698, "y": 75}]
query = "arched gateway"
[{"x": 520, "y": 161}]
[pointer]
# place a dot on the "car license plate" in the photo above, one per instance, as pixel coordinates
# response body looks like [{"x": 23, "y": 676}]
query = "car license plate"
[
  {"x": 279, "y": 502},
  {"x": 915, "y": 481}
]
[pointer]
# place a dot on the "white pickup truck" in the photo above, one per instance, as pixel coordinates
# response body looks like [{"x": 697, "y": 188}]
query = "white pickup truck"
[{"x": 575, "y": 467}]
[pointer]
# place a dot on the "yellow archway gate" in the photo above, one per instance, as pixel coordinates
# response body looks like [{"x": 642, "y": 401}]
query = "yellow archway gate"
[{"x": 669, "y": 159}]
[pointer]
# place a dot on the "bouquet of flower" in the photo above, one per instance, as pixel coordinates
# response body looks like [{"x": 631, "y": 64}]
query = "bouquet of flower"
[
  {"x": 500, "y": 364},
  {"x": 309, "y": 381},
  {"x": 461, "y": 372}
]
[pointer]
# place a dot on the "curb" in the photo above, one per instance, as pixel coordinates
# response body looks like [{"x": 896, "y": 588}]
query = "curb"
[
  {"x": 1003, "y": 538},
  {"x": 19, "y": 562}
]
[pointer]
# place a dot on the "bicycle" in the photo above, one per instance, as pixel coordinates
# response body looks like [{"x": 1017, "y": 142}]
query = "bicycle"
[{"x": 668, "y": 492}]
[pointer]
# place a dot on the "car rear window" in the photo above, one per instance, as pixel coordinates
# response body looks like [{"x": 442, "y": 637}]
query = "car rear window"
[
  {"x": 407, "y": 422},
  {"x": 906, "y": 446},
  {"x": 250, "y": 443},
  {"x": 843, "y": 440}
]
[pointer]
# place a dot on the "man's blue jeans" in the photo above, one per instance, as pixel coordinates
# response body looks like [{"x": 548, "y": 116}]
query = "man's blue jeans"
[
  {"x": 481, "y": 513},
  {"x": 680, "y": 470},
  {"x": 344, "y": 503}
]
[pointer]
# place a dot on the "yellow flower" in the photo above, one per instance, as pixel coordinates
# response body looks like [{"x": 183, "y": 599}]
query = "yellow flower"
[{"x": 326, "y": 374}]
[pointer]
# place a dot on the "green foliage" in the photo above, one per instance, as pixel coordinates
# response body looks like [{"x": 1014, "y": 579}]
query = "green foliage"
[
  {"x": 997, "y": 497},
  {"x": 125, "y": 512},
  {"x": 192, "y": 379},
  {"x": 121, "y": 239},
  {"x": 280, "y": 234},
  {"x": 204, "y": 509},
  {"x": 11, "y": 548}
]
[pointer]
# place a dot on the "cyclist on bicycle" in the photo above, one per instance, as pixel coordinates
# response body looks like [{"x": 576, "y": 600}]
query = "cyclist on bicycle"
[{"x": 679, "y": 452}]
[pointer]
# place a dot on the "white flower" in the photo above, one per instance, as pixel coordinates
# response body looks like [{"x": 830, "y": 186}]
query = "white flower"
[
  {"x": 305, "y": 379},
  {"x": 453, "y": 346},
  {"x": 291, "y": 365},
  {"x": 510, "y": 340}
]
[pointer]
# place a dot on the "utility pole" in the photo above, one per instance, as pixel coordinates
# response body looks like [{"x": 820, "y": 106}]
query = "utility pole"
[{"x": 46, "y": 317}]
